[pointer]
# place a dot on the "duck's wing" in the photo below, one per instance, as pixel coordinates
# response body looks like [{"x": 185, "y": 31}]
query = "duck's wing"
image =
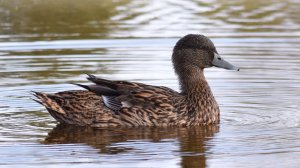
[
  {"x": 119, "y": 94},
  {"x": 136, "y": 103}
]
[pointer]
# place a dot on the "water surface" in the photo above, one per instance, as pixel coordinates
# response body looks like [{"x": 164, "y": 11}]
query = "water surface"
[{"x": 47, "y": 44}]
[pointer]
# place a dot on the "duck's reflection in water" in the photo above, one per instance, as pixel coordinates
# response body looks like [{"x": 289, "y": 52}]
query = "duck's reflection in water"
[{"x": 192, "y": 141}]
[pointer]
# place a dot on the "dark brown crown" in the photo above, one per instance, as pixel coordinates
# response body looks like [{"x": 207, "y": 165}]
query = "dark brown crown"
[{"x": 195, "y": 41}]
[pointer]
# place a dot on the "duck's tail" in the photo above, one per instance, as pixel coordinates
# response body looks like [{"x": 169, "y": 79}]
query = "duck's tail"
[{"x": 52, "y": 104}]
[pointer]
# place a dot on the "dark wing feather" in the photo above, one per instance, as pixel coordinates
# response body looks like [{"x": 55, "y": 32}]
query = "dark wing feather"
[
  {"x": 100, "y": 90},
  {"x": 112, "y": 103},
  {"x": 101, "y": 82}
]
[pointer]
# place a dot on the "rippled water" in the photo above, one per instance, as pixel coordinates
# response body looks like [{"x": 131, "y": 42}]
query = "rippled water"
[{"x": 47, "y": 44}]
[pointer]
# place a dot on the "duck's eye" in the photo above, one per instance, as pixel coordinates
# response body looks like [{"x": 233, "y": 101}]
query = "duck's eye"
[{"x": 219, "y": 58}]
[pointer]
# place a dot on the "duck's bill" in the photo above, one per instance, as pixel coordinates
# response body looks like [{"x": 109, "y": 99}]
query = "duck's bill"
[{"x": 221, "y": 63}]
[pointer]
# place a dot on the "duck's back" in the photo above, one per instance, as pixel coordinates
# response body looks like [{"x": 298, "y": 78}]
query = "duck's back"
[{"x": 113, "y": 103}]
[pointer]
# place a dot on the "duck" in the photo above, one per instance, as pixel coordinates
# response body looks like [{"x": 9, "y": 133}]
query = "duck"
[{"x": 107, "y": 103}]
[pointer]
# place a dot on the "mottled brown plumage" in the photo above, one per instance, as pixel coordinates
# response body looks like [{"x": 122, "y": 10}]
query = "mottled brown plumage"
[{"x": 119, "y": 103}]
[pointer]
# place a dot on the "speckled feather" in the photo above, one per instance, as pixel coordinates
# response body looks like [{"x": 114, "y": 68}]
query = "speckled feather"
[
  {"x": 120, "y": 103},
  {"x": 150, "y": 106}
]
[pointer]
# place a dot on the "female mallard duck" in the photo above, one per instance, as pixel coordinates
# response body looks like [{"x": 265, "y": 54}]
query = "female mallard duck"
[{"x": 120, "y": 103}]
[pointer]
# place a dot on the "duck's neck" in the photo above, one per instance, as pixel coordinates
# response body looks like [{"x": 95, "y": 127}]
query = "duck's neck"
[
  {"x": 193, "y": 83},
  {"x": 202, "y": 107}
]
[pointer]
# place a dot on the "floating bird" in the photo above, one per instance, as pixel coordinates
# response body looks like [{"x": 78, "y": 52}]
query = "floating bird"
[{"x": 108, "y": 103}]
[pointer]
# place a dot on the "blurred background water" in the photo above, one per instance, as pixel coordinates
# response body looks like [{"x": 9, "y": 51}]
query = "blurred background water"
[{"x": 46, "y": 44}]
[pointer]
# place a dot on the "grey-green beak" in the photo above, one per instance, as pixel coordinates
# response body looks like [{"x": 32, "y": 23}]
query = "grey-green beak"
[{"x": 221, "y": 63}]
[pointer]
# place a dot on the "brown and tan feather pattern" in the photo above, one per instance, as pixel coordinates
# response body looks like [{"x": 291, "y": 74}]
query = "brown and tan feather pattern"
[{"x": 119, "y": 103}]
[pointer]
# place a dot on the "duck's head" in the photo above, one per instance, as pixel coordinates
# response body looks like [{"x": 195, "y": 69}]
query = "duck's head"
[{"x": 196, "y": 51}]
